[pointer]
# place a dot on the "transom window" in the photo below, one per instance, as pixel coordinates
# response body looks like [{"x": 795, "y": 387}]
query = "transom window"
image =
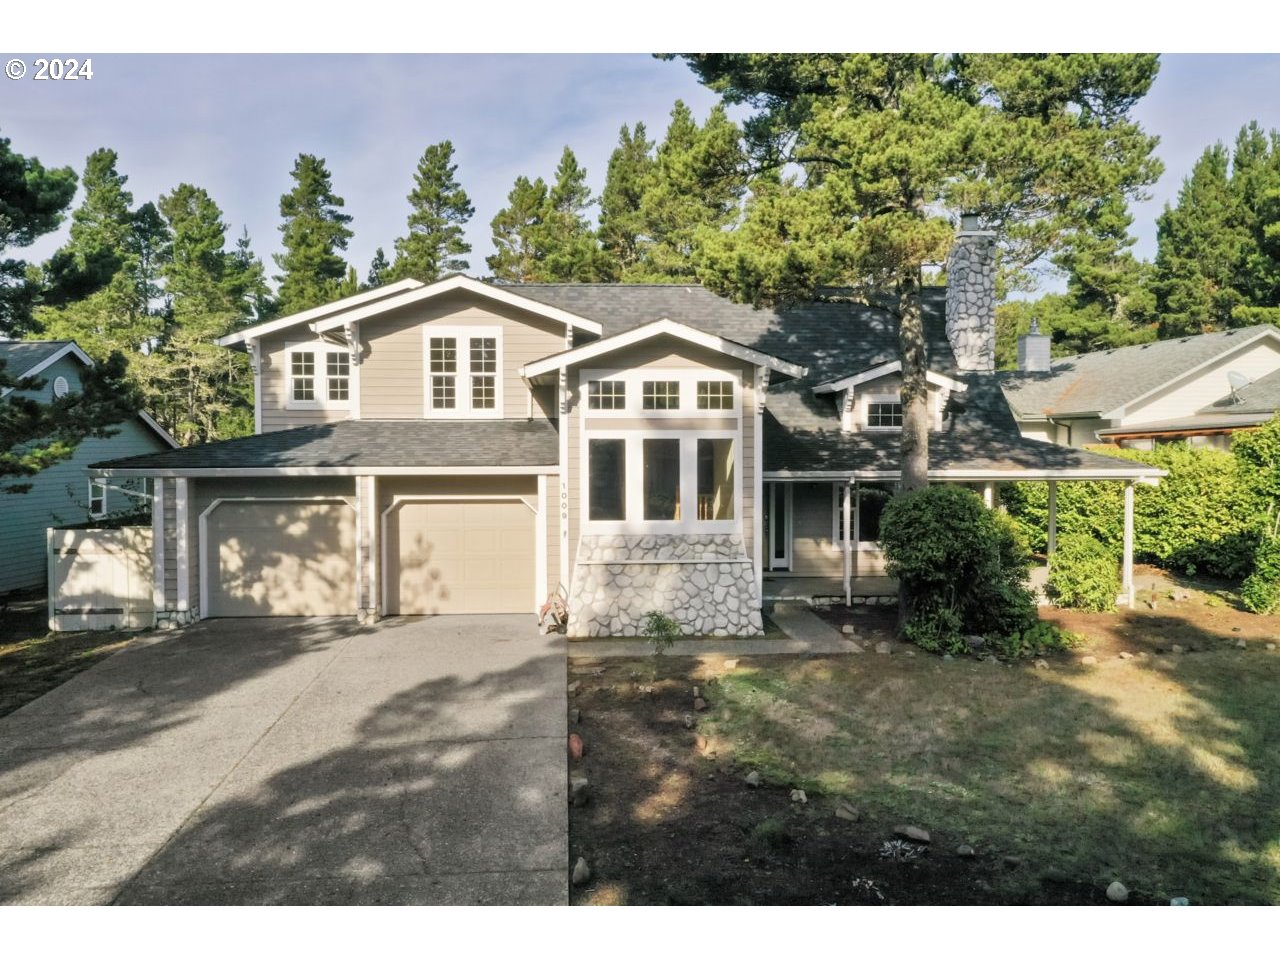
[
  {"x": 715, "y": 395},
  {"x": 606, "y": 395},
  {"x": 463, "y": 375},
  {"x": 884, "y": 412},
  {"x": 318, "y": 376},
  {"x": 661, "y": 394}
]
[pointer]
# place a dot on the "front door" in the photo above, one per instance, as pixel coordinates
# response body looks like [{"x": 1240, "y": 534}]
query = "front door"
[{"x": 777, "y": 526}]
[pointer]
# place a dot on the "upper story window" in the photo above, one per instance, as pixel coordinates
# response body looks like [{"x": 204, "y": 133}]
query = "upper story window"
[
  {"x": 319, "y": 376},
  {"x": 658, "y": 393},
  {"x": 97, "y": 499},
  {"x": 464, "y": 376},
  {"x": 884, "y": 412}
]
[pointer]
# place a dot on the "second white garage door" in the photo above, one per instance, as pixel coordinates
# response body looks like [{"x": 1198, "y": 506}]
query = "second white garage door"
[{"x": 460, "y": 556}]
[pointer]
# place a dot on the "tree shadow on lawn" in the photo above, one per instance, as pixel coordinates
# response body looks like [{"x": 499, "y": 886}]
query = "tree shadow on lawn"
[
  {"x": 1159, "y": 771},
  {"x": 381, "y": 789}
]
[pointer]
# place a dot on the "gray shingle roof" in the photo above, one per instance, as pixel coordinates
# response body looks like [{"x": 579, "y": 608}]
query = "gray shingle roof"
[
  {"x": 1091, "y": 383},
  {"x": 21, "y": 355},
  {"x": 1260, "y": 397},
  {"x": 368, "y": 443}
]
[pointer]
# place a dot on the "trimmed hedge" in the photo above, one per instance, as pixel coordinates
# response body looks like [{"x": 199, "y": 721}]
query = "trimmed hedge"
[
  {"x": 1083, "y": 574},
  {"x": 1206, "y": 517}
]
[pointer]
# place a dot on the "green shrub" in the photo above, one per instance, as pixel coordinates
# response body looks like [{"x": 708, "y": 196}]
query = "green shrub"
[
  {"x": 1261, "y": 591},
  {"x": 1036, "y": 639},
  {"x": 964, "y": 567},
  {"x": 1083, "y": 574},
  {"x": 661, "y": 631},
  {"x": 1205, "y": 517}
]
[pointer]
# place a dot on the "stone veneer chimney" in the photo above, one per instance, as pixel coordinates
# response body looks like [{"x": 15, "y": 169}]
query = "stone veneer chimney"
[
  {"x": 971, "y": 296},
  {"x": 1033, "y": 350}
]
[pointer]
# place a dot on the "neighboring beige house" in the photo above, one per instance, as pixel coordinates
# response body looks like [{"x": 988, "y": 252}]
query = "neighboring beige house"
[
  {"x": 469, "y": 447},
  {"x": 1197, "y": 389}
]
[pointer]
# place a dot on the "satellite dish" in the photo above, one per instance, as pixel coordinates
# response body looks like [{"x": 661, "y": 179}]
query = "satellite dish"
[{"x": 1238, "y": 381}]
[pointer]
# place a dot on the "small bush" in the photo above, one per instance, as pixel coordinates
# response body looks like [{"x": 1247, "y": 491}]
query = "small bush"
[
  {"x": 1261, "y": 591},
  {"x": 1036, "y": 639},
  {"x": 661, "y": 631},
  {"x": 1083, "y": 574},
  {"x": 963, "y": 567}
]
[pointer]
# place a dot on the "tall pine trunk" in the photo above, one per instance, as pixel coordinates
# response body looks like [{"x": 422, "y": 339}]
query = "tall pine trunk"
[{"x": 915, "y": 404}]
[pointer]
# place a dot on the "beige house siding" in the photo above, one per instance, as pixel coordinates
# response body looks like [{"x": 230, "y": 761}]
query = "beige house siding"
[
  {"x": 392, "y": 370},
  {"x": 275, "y": 385},
  {"x": 1188, "y": 396},
  {"x": 813, "y": 552}
]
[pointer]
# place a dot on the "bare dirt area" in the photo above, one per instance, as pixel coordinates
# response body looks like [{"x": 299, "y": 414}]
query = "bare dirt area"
[{"x": 1120, "y": 760}]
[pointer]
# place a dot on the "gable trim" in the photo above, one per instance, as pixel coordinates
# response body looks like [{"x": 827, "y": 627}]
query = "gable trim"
[
  {"x": 883, "y": 370},
  {"x": 663, "y": 327},
  {"x": 460, "y": 282},
  {"x": 316, "y": 313},
  {"x": 70, "y": 349}
]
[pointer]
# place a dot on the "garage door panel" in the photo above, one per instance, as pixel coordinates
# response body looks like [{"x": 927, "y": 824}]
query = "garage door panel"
[
  {"x": 281, "y": 558},
  {"x": 460, "y": 557}
]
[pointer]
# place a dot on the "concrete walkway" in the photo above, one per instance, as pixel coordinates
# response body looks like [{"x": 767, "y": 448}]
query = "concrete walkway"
[
  {"x": 296, "y": 761},
  {"x": 806, "y": 633}
]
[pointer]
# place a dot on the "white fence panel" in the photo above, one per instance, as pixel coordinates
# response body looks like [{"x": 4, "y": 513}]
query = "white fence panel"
[{"x": 100, "y": 579}]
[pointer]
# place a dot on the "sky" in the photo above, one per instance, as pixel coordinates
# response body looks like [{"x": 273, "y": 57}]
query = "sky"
[{"x": 234, "y": 124}]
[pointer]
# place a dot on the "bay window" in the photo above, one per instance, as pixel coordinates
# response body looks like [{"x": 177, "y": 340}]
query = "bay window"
[
  {"x": 463, "y": 371},
  {"x": 607, "y": 469},
  {"x": 662, "y": 479}
]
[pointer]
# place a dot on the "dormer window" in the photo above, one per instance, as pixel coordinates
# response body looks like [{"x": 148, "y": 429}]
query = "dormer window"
[
  {"x": 319, "y": 377},
  {"x": 464, "y": 377},
  {"x": 884, "y": 412}
]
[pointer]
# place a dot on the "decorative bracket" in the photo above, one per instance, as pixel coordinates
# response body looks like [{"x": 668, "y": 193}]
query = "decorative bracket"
[
  {"x": 255, "y": 354},
  {"x": 351, "y": 329}
]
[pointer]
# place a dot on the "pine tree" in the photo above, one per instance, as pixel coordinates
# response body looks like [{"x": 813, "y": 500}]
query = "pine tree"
[
  {"x": 439, "y": 209},
  {"x": 378, "y": 270},
  {"x": 33, "y": 201},
  {"x": 517, "y": 244},
  {"x": 571, "y": 252},
  {"x": 314, "y": 231},
  {"x": 622, "y": 229}
]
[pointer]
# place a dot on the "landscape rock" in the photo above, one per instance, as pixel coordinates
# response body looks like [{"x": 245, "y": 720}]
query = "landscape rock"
[
  {"x": 845, "y": 812},
  {"x": 752, "y": 779},
  {"x": 849, "y": 630},
  {"x": 579, "y": 791},
  {"x": 947, "y": 656},
  {"x": 575, "y": 746},
  {"x": 1126, "y": 655},
  {"x": 731, "y": 664},
  {"x": 966, "y": 851},
  {"x": 689, "y": 721},
  {"x": 1242, "y": 644},
  {"x": 1089, "y": 661},
  {"x": 975, "y": 642},
  {"x": 884, "y": 647},
  {"x": 1178, "y": 648},
  {"x": 581, "y": 872},
  {"x": 575, "y": 715},
  {"x": 911, "y": 832},
  {"x": 697, "y": 693},
  {"x": 1042, "y": 664},
  {"x": 1117, "y": 892},
  {"x": 699, "y": 704},
  {"x": 1271, "y": 646},
  {"x": 799, "y": 796},
  {"x": 909, "y": 653},
  {"x": 1179, "y": 902}
]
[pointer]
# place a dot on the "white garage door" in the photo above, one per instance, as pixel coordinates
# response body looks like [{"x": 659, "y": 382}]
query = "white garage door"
[
  {"x": 279, "y": 558},
  {"x": 460, "y": 556}
]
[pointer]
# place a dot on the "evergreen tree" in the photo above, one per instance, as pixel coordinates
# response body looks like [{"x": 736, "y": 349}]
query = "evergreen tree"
[
  {"x": 439, "y": 209},
  {"x": 314, "y": 231},
  {"x": 571, "y": 252},
  {"x": 33, "y": 201},
  {"x": 622, "y": 229},
  {"x": 379, "y": 269},
  {"x": 516, "y": 233}
]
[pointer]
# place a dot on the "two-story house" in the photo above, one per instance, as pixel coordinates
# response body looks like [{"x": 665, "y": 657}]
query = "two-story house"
[{"x": 469, "y": 447}]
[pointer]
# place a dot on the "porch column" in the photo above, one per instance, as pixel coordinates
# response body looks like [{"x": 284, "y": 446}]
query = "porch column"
[
  {"x": 989, "y": 494},
  {"x": 375, "y": 548},
  {"x": 846, "y": 496},
  {"x": 1127, "y": 563},
  {"x": 1053, "y": 517}
]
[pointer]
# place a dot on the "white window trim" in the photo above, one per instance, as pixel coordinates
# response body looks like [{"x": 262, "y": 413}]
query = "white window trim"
[
  {"x": 837, "y": 515},
  {"x": 321, "y": 348},
  {"x": 686, "y": 377},
  {"x": 102, "y": 510},
  {"x": 871, "y": 398},
  {"x": 634, "y": 452},
  {"x": 462, "y": 378}
]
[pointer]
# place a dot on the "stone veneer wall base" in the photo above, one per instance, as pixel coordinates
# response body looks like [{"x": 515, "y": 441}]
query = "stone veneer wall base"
[{"x": 705, "y": 582}]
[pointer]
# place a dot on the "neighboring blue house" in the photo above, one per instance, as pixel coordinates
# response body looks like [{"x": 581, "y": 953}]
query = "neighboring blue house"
[{"x": 63, "y": 494}]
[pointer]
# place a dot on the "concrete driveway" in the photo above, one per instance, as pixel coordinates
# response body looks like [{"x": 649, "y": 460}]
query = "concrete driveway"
[{"x": 296, "y": 761}]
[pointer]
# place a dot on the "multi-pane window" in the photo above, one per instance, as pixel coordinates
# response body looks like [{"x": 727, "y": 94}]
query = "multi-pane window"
[
  {"x": 97, "y": 498},
  {"x": 661, "y": 394},
  {"x": 661, "y": 479},
  {"x": 443, "y": 358},
  {"x": 606, "y": 394},
  {"x": 484, "y": 371},
  {"x": 302, "y": 375},
  {"x": 884, "y": 413},
  {"x": 607, "y": 479},
  {"x": 715, "y": 479},
  {"x": 338, "y": 375},
  {"x": 715, "y": 395}
]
